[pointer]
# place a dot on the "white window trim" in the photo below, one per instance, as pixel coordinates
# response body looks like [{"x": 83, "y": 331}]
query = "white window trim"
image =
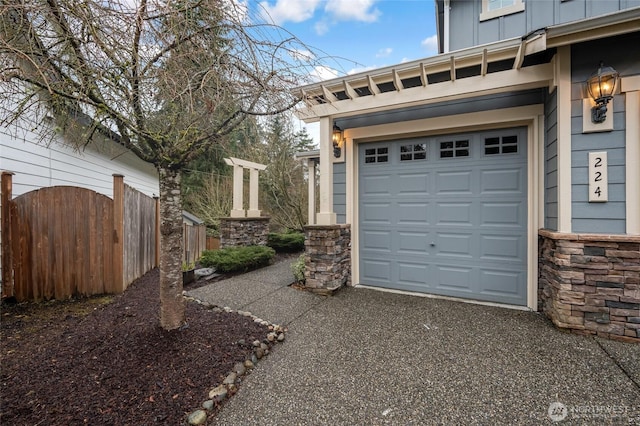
[{"x": 487, "y": 14}]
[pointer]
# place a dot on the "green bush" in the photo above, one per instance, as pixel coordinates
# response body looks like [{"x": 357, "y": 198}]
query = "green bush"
[
  {"x": 237, "y": 258},
  {"x": 287, "y": 242},
  {"x": 297, "y": 268}
]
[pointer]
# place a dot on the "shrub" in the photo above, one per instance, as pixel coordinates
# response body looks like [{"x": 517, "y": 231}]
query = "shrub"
[
  {"x": 188, "y": 266},
  {"x": 297, "y": 268},
  {"x": 237, "y": 258},
  {"x": 287, "y": 242}
]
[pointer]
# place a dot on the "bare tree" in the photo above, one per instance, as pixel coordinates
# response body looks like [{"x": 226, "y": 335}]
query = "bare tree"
[{"x": 167, "y": 78}]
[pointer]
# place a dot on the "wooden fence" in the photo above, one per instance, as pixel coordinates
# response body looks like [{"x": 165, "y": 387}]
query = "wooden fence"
[
  {"x": 140, "y": 233},
  {"x": 65, "y": 241},
  {"x": 194, "y": 242},
  {"x": 213, "y": 243}
]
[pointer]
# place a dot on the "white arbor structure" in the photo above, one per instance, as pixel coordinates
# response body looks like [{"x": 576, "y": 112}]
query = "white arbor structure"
[{"x": 238, "y": 187}]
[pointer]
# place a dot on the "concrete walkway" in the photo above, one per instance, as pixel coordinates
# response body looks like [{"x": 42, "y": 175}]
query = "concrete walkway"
[
  {"x": 264, "y": 292},
  {"x": 371, "y": 357}
]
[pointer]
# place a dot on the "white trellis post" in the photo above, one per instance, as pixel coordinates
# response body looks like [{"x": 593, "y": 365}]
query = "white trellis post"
[
  {"x": 326, "y": 215},
  {"x": 238, "y": 186},
  {"x": 253, "y": 194}
]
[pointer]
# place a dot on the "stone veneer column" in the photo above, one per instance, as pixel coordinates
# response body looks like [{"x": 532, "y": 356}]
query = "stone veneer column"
[
  {"x": 590, "y": 283},
  {"x": 327, "y": 257},
  {"x": 244, "y": 231}
]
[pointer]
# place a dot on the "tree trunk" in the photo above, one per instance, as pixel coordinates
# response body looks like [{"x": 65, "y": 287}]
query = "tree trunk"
[{"x": 172, "y": 305}]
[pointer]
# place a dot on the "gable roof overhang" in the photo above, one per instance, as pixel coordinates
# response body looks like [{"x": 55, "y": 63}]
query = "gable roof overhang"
[
  {"x": 518, "y": 64},
  {"x": 604, "y": 26}
]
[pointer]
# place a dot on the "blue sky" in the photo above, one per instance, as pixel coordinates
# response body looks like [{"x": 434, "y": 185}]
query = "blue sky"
[{"x": 366, "y": 34}]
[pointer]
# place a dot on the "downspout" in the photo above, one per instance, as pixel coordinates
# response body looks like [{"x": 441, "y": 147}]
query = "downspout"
[{"x": 446, "y": 25}]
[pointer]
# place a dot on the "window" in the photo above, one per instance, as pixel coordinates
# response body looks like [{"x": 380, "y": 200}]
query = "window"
[
  {"x": 499, "y": 4},
  {"x": 376, "y": 155},
  {"x": 495, "y": 8},
  {"x": 501, "y": 145},
  {"x": 416, "y": 151},
  {"x": 451, "y": 149}
]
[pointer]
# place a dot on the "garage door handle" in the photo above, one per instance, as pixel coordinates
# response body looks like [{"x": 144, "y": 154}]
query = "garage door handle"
[{"x": 432, "y": 244}]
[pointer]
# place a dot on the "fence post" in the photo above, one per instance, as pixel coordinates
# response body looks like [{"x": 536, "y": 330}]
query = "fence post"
[
  {"x": 157, "y": 258},
  {"x": 7, "y": 253},
  {"x": 118, "y": 232}
]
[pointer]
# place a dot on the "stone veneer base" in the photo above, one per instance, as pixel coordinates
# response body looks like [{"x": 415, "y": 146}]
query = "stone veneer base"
[
  {"x": 590, "y": 283},
  {"x": 244, "y": 231},
  {"x": 327, "y": 257}
]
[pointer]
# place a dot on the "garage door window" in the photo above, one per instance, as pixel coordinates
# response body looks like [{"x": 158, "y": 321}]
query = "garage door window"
[
  {"x": 501, "y": 145},
  {"x": 417, "y": 151},
  {"x": 454, "y": 149},
  {"x": 376, "y": 155}
]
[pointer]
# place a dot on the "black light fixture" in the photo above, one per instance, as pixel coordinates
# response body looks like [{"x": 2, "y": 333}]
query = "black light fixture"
[
  {"x": 336, "y": 137},
  {"x": 601, "y": 86}
]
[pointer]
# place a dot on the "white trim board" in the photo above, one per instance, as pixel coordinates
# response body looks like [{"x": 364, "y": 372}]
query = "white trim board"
[
  {"x": 630, "y": 86},
  {"x": 531, "y": 116},
  {"x": 563, "y": 108},
  {"x": 632, "y": 161}
]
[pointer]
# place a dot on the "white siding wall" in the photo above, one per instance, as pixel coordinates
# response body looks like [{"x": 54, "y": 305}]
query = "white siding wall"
[{"x": 36, "y": 166}]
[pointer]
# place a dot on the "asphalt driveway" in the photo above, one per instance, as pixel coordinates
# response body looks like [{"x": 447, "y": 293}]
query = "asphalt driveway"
[{"x": 371, "y": 357}]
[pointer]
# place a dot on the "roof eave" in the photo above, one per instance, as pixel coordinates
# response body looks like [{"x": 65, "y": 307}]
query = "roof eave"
[{"x": 625, "y": 21}]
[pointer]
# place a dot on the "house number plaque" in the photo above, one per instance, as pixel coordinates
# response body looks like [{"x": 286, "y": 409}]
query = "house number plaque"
[{"x": 598, "y": 178}]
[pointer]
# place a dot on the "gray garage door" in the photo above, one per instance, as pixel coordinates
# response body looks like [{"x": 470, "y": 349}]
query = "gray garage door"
[{"x": 446, "y": 215}]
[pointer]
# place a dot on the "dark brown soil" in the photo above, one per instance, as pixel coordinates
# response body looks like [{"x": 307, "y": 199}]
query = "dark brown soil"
[{"x": 106, "y": 361}]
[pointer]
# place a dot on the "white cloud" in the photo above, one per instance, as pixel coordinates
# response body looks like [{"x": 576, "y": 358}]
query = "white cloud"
[
  {"x": 240, "y": 9},
  {"x": 321, "y": 73},
  {"x": 361, "y": 69},
  {"x": 130, "y": 4},
  {"x": 431, "y": 44},
  {"x": 302, "y": 55},
  {"x": 356, "y": 10},
  {"x": 321, "y": 27},
  {"x": 290, "y": 10},
  {"x": 383, "y": 53}
]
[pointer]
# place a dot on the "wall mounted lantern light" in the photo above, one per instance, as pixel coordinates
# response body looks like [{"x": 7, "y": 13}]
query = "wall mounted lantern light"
[
  {"x": 337, "y": 141},
  {"x": 601, "y": 86}
]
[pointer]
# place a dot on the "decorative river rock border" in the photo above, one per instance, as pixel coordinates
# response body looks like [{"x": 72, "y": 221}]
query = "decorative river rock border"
[{"x": 262, "y": 348}]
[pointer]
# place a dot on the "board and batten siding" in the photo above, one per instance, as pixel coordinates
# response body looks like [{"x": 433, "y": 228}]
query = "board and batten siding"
[
  {"x": 467, "y": 30},
  {"x": 551, "y": 162},
  {"x": 340, "y": 191},
  {"x": 609, "y": 217},
  {"x": 37, "y": 165}
]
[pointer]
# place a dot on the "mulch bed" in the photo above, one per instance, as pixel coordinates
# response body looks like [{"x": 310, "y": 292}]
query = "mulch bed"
[{"x": 106, "y": 361}]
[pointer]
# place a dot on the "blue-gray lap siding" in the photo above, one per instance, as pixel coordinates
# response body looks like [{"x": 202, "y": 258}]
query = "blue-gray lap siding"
[
  {"x": 340, "y": 192},
  {"x": 609, "y": 217},
  {"x": 467, "y": 30}
]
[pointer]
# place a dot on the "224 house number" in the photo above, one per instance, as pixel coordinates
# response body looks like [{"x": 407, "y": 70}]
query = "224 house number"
[{"x": 598, "y": 178}]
